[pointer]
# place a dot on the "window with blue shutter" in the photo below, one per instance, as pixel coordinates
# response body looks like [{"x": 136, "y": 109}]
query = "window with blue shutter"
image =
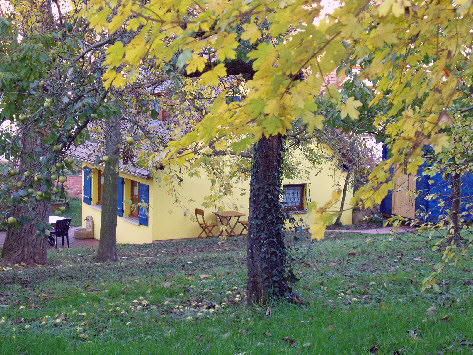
[
  {"x": 87, "y": 190},
  {"x": 233, "y": 98},
  {"x": 121, "y": 184},
  {"x": 155, "y": 110},
  {"x": 144, "y": 204}
]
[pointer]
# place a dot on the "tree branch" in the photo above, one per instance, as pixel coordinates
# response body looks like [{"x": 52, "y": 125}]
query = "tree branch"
[{"x": 94, "y": 46}]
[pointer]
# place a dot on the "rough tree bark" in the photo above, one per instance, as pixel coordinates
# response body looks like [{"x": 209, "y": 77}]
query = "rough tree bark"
[
  {"x": 108, "y": 230},
  {"x": 266, "y": 253},
  {"x": 455, "y": 212},
  {"x": 25, "y": 243}
]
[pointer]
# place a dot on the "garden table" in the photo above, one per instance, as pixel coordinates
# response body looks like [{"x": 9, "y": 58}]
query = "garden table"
[
  {"x": 228, "y": 220},
  {"x": 54, "y": 219}
]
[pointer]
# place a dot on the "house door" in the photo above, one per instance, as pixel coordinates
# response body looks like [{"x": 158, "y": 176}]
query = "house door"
[{"x": 404, "y": 200}]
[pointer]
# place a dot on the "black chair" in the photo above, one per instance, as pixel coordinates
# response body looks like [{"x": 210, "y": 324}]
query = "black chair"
[{"x": 61, "y": 230}]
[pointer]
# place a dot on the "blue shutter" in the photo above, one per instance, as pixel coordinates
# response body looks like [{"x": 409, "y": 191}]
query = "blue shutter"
[
  {"x": 386, "y": 205},
  {"x": 144, "y": 204},
  {"x": 87, "y": 190},
  {"x": 155, "y": 110},
  {"x": 121, "y": 184}
]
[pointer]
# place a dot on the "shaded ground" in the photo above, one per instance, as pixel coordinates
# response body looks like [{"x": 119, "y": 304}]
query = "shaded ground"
[
  {"x": 74, "y": 243},
  {"x": 83, "y": 243}
]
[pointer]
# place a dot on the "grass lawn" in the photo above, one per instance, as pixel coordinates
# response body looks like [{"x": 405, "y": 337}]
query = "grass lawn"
[
  {"x": 74, "y": 211},
  {"x": 187, "y": 297}
]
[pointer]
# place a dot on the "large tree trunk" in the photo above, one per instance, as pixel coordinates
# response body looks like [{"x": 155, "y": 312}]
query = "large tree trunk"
[
  {"x": 266, "y": 253},
  {"x": 455, "y": 212},
  {"x": 25, "y": 242},
  {"x": 108, "y": 230}
]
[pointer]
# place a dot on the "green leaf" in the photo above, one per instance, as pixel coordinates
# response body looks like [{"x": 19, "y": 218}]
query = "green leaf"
[
  {"x": 242, "y": 145},
  {"x": 183, "y": 58}
]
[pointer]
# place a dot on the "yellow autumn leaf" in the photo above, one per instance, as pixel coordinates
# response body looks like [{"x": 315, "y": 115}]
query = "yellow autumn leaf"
[
  {"x": 136, "y": 49},
  {"x": 115, "y": 54},
  {"x": 414, "y": 165},
  {"x": 124, "y": 12},
  {"x": 196, "y": 63},
  {"x": 134, "y": 23},
  {"x": 98, "y": 20},
  {"x": 317, "y": 230},
  {"x": 272, "y": 107},
  {"x": 441, "y": 141},
  {"x": 384, "y": 7},
  {"x": 212, "y": 76},
  {"x": 349, "y": 108},
  {"x": 228, "y": 47},
  {"x": 252, "y": 32}
]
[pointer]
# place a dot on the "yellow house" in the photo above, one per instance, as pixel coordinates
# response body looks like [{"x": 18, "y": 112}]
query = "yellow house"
[{"x": 146, "y": 212}]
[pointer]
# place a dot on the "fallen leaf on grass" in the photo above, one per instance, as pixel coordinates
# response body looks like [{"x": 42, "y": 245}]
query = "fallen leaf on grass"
[
  {"x": 446, "y": 318},
  {"x": 374, "y": 350},
  {"x": 413, "y": 334},
  {"x": 268, "y": 334},
  {"x": 288, "y": 340},
  {"x": 307, "y": 345},
  {"x": 431, "y": 309},
  {"x": 225, "y": 336},
  {"x": 205, "y": 276},
  {"x": 331, "y": 327}
]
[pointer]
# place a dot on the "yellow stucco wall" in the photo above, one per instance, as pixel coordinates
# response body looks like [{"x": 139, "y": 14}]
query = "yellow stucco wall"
[
  {"x": 319, "y": 189},
  {"x": 176, "y": 219},
  {"x": 128, "y": 230},
  {"x": 169, "y": 219}
]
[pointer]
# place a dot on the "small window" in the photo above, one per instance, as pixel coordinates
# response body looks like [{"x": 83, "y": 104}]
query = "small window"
[
  {"x": 135, "y": 199},
  {"x": 293, "y": 197},
  {"x": 159, "y": 111},
  {"x": 100, "y": 187},
  {"x": 233, "y": 98}
]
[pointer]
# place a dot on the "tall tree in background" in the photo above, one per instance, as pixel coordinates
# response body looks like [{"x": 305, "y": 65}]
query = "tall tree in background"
[
  {"x": 108, "y": 229},
  {"x": 51, "y": 88}
]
